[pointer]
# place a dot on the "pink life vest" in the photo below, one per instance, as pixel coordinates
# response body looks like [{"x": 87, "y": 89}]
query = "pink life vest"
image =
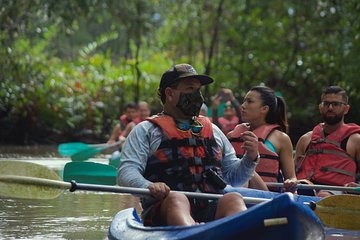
[{"x": 268, "y": 167}]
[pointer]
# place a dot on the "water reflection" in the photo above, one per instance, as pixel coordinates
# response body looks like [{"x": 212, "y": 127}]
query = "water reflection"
[{"x": 79, "y": 215}]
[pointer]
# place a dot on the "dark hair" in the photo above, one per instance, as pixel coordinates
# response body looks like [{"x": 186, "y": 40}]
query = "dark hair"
[
  {"x": 161, "y": 91},
  {"x": 335, "y": 90},
  {"x": 277, "y": 108},
  {"x": 131, "y": 105}
]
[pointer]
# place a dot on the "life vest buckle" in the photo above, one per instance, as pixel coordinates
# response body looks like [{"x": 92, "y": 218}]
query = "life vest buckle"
[
  {"x": 192, "y": 142},
  {"x": 321, "y": 140},
  {"x": 197, "y": 161},
  {"x": 324, "y": 169},
  {"x": 318, "y": 150}
]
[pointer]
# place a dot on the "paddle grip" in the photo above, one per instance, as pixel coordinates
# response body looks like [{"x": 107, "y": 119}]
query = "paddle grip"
[
  {"x": 312, "y": 205},
  {"x": 73, "y": 186}
]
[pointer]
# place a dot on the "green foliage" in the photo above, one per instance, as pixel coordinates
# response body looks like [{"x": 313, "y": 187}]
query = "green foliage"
[{"x": 68, "y": 67}]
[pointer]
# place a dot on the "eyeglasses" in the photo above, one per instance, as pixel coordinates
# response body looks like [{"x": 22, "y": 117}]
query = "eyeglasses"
[
  {"x": 195, "y": 127},
  {"x": 334, "y": 104}
]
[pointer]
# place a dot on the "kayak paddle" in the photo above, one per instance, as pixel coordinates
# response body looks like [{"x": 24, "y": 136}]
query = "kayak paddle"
[
  {"x": 68, "y": 149},
  {"x": 90, "y": 152},
  {"x": 90, "y": 172},
  {"x": 33, "y": 181},
  {"x": 341, "y": 211},
  {"x": 319, "y": 187}
]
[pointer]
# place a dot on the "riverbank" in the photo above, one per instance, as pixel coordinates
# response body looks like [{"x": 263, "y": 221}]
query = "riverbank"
[{"x": 21, "y": 151}]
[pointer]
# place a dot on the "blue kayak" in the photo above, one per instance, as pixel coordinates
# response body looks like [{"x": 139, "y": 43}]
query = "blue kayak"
[
  {"x": 302, "y": 224},
  {"x": 248, "y": 192}
]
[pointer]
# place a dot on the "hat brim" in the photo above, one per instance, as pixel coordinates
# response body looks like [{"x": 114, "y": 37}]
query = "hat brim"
[{"x": 204, "y": 80}]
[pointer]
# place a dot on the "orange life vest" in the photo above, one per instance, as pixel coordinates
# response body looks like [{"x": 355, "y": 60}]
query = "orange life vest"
[
  {"x": 268, "y": 167},
  {"x": 325, "y": 162},
  {"x": 183, "y": 157}
]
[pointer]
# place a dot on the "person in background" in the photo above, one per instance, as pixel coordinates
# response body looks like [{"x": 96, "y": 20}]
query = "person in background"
[
  {"x": 131, "y": 112},
  {"x": 232, "y": 115},
  {"x": 145, "y": 112},
  {"x": 204, "y": 110},
  {"x": 179, "y": 150},
  {"x": 265, "y": 114},
  {"x": 330, "y": 153}
]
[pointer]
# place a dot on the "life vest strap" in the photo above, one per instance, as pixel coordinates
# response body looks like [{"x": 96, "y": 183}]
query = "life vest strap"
[
  {"x": 186, "y": 142},
  {"x": 325, "y": 140},
  {"x": 325, "y": 151},
  {"x": 238, "y": 139},
  {"x": 266, "y": 174},
  {"x": 338, "y": 170},
  {"x": 268, "y": 156}
]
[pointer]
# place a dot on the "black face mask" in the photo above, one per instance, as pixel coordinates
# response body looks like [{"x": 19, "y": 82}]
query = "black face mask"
[{"x": 190, "y": 103}]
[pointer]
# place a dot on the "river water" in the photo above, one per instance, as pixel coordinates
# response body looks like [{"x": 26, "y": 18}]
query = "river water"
[{"x": 77, "y": 215}]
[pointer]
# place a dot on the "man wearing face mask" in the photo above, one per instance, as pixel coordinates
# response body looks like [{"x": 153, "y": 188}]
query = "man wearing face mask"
[{"x": 179, "y": 150}]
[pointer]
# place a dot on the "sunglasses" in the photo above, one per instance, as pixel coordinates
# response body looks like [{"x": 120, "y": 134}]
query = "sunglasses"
[{"x": 195, "y": 127}]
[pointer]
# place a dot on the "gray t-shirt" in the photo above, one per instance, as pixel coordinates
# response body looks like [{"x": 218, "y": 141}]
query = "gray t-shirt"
[{"x": 145, "y": 139}]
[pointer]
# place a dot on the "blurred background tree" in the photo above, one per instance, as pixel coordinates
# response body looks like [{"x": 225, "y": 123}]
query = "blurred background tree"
[{"x": 68, "y": 67}]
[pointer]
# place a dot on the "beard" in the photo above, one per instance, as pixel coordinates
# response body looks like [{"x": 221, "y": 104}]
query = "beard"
[{"x": 331, "y": 120}]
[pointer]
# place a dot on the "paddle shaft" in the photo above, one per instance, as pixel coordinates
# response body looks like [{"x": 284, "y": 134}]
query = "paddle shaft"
[
  {"x": 330, "y": 210},
  {"x": 90, "y": 152},
  {"x": 73, "y": 186},
  {"x": 319, "y": 187},
  {"x": 69, "y": 149}
]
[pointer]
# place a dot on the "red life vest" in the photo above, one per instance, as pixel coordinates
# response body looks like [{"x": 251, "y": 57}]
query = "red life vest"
[
  {"x": 228, "y": 125},
  {"x": 268, "y": 167},
  {"x": 123, "y": 121},
  {"x": 137, "y": 120},
  {"x": 325, "y": 162},
  {"x": 182, "y": 157}
]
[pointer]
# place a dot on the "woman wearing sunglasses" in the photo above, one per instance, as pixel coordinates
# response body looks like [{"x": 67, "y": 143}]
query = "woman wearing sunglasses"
[{"x": 264, "y": 114}]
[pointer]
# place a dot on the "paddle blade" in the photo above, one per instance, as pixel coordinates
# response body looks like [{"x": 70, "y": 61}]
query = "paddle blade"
[
  {"x": 85, "y": 154},
  {"x": 90, "y": 172},
  {"x": 11, "y": 188},
  {"x": 68, "y": 149},
  {"x": 340, "y": 211}
]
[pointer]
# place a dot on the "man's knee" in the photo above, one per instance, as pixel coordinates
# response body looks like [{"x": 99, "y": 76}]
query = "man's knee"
[
  {"x": 229, "y": 204},
  {"x": 175, "y": 199},
  {"x": 232, "y": 198},
  {"x": 233, "y": 201}
]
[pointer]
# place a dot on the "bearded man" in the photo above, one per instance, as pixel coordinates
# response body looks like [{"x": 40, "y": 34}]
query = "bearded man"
[{"x": 330, "y": 153}]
